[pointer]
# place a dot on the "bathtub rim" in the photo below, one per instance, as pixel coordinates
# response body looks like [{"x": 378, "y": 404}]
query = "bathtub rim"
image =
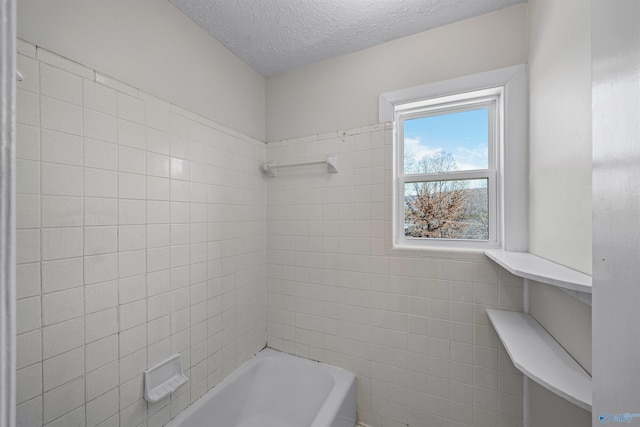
[{"x": 323, "y": 414}]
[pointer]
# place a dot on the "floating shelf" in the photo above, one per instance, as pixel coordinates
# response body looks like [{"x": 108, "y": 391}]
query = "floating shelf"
[
  {"x": 271, "y": 168},
  {"x": 533, "y": 267},
  {"x": 538, "y": 356}
]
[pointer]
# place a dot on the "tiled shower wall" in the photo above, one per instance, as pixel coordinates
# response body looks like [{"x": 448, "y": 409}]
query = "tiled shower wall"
[
  {"x": 411, "y": 324},
  {"x": 141, "y": 233}
]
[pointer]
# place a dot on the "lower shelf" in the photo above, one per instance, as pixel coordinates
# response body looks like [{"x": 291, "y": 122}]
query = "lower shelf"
[{"x": 540, "y": 357}]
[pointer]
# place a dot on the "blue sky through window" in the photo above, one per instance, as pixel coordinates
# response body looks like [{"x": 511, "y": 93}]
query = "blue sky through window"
[{"x": 463, "y": 134}]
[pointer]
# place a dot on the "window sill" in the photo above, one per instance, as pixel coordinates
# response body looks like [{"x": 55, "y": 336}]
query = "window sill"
[{"x": 464, "y": 253}]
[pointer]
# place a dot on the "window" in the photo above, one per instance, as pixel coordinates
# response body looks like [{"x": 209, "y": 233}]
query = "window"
[
  {"x": 446, "y": 172},
  {"x": 460, "y": 162}
]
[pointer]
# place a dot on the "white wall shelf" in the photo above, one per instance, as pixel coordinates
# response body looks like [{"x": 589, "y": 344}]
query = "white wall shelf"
[
  {"x": 533, "y": 267},
  {"x": 538, "y": 356},
  {"x": 270, "y": 169}
]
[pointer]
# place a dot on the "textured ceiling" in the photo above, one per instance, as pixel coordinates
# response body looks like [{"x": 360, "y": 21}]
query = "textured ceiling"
[{"x": 274, "y": 36}]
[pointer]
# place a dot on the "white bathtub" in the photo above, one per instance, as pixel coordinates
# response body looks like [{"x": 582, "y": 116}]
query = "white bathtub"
[{"x": 275, "y": 389}]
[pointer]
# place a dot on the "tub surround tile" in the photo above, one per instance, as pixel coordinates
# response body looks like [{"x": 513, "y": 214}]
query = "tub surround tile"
[
  {"x": 101, "y": 352},
  {"x": 60, "y": 84},
  {"x": 28, "y": 314},
  {"x": 132, "y": 237},
  {"x": 101, "y": 324},
  {"x": 98, "y": 195},
  {"x": 75, "y": 417},
  {"x": 134, "y": 414},
  {"x": 63, "y": 368},
  {"x": 61, "y": 116},
  {"x": 115, "y": 84},
  {"x": 100, "y": 183},
  {"x": 131, "y": 263},
  {"x": 29, "y": 413},
  {"x": 131, "y": 134},
  {"x": 27, "y": 108},
  {"x": 131, "y": 186},
  {"x": 29, "y": 68},
  {"x": 62, "y": 211},
  {"x": 63, "y": 399},
  {"x": 133, "y": 314},
  {"x": 100, "y": 126},
  {"x": 100, "y": 211},
  {"x": 62, "y": 337},
  {"x": 100, "y": 240},
  {"x": 99, "y": 97},
  {"x": 61, "y": 180},
  {"x": 131, "y": 108},
  {"x": 28, "y": 348},
  {"x": 27, "y": 177},
  {"x": 64, "y": 148},
  {"x": 411, "y": 324},
  {"x": 132, "y": 365},
  {"x": 102, "y": 380},
  {"x": 63, "y": 305},
  {"x": 100, "y": 296},
  {"x": 100, "y": 154},
  {"x": 131, "y": 160},
  {"x": 131, "y": 212},
  {"x": 28, "y": 382},
  {"x": 132, "y": 340},
  {"x": 60, "y": 243},
  {"x": 101, "y": 408},
  {"x": 28, "y": 142},
  {"x": 46, "y": 57},
  {"x": 28, "y": 246}
]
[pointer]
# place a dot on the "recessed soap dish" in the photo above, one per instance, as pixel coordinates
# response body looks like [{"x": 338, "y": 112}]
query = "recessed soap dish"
[{"x": 163, "y": 379}]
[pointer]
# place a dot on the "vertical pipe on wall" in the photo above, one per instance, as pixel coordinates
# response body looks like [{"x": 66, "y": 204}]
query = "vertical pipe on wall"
[{"x": 7, "y": 211}]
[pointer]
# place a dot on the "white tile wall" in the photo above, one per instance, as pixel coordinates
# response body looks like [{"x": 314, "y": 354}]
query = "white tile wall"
[
  {"x": 411, "y": 324},
  {"x": 142, "y": 232},
  {"x": 121, "y": 201}
]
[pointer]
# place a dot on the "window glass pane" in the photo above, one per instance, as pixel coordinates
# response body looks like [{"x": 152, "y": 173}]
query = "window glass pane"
[
  {"x": 456, "y": 209},
  {"x": 456, "y": 141}
]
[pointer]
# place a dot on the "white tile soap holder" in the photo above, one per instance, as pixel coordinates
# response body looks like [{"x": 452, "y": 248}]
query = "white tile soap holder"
[{"x": 163, "y": 379}]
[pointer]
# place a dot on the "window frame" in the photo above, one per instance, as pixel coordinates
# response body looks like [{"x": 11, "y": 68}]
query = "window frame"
[
  {"x": 467, "y": 101},
  {"x": 511, "y": 159}
]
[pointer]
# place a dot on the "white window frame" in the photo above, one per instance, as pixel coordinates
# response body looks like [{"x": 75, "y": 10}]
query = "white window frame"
[
  {"x": 490, "y": 98},
  {"x": 510, "y": 183}
]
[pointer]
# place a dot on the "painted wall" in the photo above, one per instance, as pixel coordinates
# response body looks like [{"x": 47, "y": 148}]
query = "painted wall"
[
  {"x": 342, "y": 93},
  {"x": 616, "y": 175},
  {"x": 550, "y": 410},
  {"x": 560, "y": 122},
  {"x": 141, "y": 234},
  {"x": 560, "y": 182},
  {"x": 151, "y": 45}
]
